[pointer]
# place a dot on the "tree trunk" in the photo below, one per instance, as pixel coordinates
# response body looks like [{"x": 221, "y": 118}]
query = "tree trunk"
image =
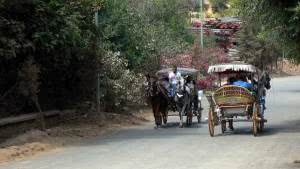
[
  {"x": 99, "y": 109},
  {"x": 41, "y": 117},
  {"x": 276, "y": 63}
]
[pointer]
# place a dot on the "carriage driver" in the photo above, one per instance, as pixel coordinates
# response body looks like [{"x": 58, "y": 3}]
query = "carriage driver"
[{"x": 174, "y": 79}]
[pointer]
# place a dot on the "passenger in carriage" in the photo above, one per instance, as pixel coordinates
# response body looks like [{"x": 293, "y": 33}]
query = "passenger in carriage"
[
  {"x": 239, "y": 81},
  {"x": 243, "y": 82},
  {"x": 191, "y": 84},
  {"x": 230, "y": 81},
  {"x": 174, "y": 79}
]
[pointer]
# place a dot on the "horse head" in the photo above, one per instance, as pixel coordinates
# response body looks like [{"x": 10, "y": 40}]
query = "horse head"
[
  {"x": 150, "y": 86},
  {"x": 266, "y": 80}
]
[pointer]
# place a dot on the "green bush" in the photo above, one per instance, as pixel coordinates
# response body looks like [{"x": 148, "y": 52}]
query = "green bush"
[{"x": 51, "y": 51}]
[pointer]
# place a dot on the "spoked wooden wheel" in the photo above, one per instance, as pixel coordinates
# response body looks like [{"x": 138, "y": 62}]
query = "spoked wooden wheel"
[
  {"x": 199, "y": 113},
  {"x": 255, "y": 119},
  {"x": 199, "y": 118},
  {"x": 262, "y": 120},
  {"x": 211, "y": 123},
  {"x": 261, "y": 125}
]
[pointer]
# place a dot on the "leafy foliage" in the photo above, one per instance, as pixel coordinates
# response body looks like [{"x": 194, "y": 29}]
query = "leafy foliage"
[
  {"x": 275, "y": 22},
  {"x": 51, "y": 50},
  {"x": 255, "y": 50},
  {"x": 219, "y": 5},
  {"x": 141, "y": 30}
]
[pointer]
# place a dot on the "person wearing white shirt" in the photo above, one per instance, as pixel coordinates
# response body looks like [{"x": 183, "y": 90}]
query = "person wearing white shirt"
[{"x": 174, "y": 78}]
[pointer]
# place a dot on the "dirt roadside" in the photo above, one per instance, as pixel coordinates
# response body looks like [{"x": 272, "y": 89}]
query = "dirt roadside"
[{"x": 34, "y": 142}]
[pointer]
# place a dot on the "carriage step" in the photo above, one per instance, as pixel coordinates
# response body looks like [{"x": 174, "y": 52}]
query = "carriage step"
[
  {"x": 175, "y": 114},
  {"x": 242, "y": 120},
  {"x": 260, "y": 119},
  {"x": 265, "y": 120},
  {"x": 239, "y": 120}
]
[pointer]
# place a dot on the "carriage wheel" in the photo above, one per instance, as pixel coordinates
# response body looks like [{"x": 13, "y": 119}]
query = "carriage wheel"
[
  {"x": 199, "y": 111},
  {"x": 199, "y": 117},
  {"x": 182, "y": 110},
  {"x": 254, "y": 119},
  {"x": 223, "y": 126},
  {"x": 262, "y": 125},
  {"x": 262, "y": 121},
  {"x": 199, "y": 114},
  {"x": 211, "y": 123}
]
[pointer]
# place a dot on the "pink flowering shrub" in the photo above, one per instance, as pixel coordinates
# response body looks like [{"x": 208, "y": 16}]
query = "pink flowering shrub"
[
  {"x": 206, "y": 82},
  {"x": 202, "y": 61}
]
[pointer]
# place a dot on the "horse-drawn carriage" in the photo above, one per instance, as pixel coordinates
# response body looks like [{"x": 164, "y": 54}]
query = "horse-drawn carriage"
[
  {"x": 186, "y": 101},
  {"x": 231, "y": 103}
]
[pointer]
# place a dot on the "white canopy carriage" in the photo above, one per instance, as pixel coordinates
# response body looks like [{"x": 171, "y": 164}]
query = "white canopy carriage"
[{"x": 230, "y": 103}]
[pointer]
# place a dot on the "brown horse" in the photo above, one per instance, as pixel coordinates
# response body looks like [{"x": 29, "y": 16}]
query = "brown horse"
[{"x": 157, "y": 96}]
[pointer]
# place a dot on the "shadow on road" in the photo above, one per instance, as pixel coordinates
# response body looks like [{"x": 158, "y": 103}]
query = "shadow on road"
[
  {"x": 172, "y": 131},
  {"x": 290, "y": 126},
  {"x": 176, "y": 125}
]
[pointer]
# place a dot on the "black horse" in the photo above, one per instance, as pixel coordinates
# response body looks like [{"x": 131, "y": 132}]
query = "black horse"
[
  {"x": 157, "y": 97},
  {"x": 263, "y": 84}
]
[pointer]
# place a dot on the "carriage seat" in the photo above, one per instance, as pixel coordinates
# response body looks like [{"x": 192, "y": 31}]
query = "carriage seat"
[{"x": 232, "y": 95}]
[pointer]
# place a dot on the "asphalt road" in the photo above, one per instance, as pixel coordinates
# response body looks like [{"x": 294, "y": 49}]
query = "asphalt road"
[{"x": 192, "y": 148}]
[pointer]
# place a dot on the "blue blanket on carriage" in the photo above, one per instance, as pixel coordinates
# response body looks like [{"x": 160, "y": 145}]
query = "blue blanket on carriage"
[{"x": 243, "y": 84}]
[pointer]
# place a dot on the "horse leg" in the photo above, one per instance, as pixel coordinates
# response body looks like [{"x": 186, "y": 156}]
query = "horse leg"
[
  {"x": 180, "y": 123},
  {"x": 181, "y": 116},
  {"x": 165, "y": 117},
  {"x": 230, "y": 124},
  {"x": 154, "y": 109},
  {"x": 164, "y": 110},
  {"x": 158, "y": 119}
]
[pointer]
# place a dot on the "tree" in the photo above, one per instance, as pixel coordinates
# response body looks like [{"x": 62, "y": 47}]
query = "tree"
[
  {"x": 219, "y": 6},
  {"x": 276, "y": 21},
  {"x": 59, "y": 40}
]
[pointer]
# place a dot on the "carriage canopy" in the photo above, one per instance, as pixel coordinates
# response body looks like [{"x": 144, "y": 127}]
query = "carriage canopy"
[
  {"x": 233, "y": 67},
  {"x": 183, "y": 72}
]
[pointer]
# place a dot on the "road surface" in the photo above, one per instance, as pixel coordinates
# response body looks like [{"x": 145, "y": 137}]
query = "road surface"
[{"x": 192, "y": 148}]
